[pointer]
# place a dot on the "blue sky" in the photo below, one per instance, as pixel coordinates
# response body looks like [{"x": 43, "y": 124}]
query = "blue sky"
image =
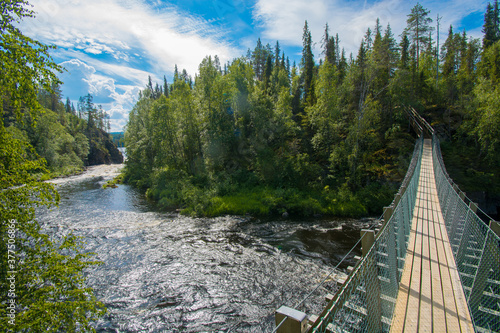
[{"x": 109, "y": 47}]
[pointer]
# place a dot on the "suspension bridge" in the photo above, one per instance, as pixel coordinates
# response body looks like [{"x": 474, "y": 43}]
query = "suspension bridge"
[{"x": 434, "y": 265}]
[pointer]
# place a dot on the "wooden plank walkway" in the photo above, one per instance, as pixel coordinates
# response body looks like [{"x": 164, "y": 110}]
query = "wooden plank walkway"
[{"x": 430, "y": 297}]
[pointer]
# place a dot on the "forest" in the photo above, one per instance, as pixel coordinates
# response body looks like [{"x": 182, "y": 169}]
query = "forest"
[
  {"x": 260, "y": 136},
  {"x": 68, "y": 138}
]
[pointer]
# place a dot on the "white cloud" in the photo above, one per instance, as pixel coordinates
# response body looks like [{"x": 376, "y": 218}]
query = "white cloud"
[
  {"x": 81, "y": 78},
  {"x": 115, "y": 27}
]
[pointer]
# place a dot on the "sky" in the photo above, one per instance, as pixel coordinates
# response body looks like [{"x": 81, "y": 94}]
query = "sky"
[{"x": 110, "y": 47}]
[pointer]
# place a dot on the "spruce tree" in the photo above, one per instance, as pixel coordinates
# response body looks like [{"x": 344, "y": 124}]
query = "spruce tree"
[
  {"x": 491, "y": 25},
  {"x": 165, "y": 86},
  {"x": 259, "y": 60},
  {"x": 405, "y": 52},
  {"x": 268, "y": 69},
  {"x": 67, "y": 106},
  {"x": 368, "y": 39},
  {"x": 277, "y": 54},
  {"x": 307, "y": 63},
  {"x": 329, "y": 47}
]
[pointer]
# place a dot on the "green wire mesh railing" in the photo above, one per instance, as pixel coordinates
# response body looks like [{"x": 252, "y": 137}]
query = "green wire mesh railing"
[
  {"x": 476, "y": 249},
  {"x": 367, "y": 299}
]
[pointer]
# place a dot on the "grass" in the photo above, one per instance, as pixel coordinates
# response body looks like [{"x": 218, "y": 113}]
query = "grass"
[
  {"x": 265, "y": 201},
  {"x": 113, "y": 182},
  {"x": 173, "y": 190},
  {"x": 66, "y": 172}
]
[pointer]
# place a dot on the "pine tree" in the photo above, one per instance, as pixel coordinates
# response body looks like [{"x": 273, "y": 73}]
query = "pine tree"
[
  {"x": 55, "y": 96},
  {"x": 368, "y": 40},
  {"x": 67, "y": 106},
  {"x": 307, "y": 64},
  {"x": 383, "y": 60},
  {"x": 361, "y": 59},
  {"x": 342, "y": 66},
  {"x": 176, "y": 76},
  {"x": 405, "y": 52},
  {"x": 449, "y": 54},
  {"x": 337, "y": 48},
  {"x": 491, "y": 25},
  {"x": 165, "y": 86},
  {"x": 326, "y": 37},
  {"x": 268, "y": 69},
  {"x": 418, "y": 28},
  {"x": 277, "y": 54},
  {"x": 150, "y": 84},
  {"x": 259, "y": 58},
  {"x": 329, "y": 47},
  {"x": 467, "y": 74},
  {"x": 390, "y": 44}
]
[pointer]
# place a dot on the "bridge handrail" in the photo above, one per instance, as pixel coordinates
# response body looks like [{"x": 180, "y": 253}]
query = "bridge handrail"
[
  {"x": 366, "y": 301},
  {"x": 422, "y": 126},
  {"x": 475, "y": 247}
]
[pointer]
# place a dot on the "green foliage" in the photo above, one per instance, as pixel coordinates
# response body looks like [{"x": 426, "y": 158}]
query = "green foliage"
[
  {"x": 61, "y": 150},
  {"x": 49, "y": 283},
  {"x": 233, "y": 144},
  {"x": 471, "y": 172},
  {"x": 487, "y": 119},
  {"x": 49, "y": 292},
  {"x": 25, "y": 63},
  {"x": 113, "y": 182}
]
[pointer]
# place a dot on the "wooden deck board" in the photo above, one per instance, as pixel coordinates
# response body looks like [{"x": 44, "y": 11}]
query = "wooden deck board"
[
  {"x": 425, "y": 301},
  {"x": 430, "y": 294},
  {"x": 438, "y": 314},
  {"x": 452, "y": 320}
]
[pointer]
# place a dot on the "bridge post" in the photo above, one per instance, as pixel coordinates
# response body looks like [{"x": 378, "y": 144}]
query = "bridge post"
[
  {"x": 388, "y": 213},
  {"x": 473, "y": 206},
  {"x": 495, "y": 227},
  {"x": 367, "y": 240},
  {"x": 397, "y": 198},
  {"x": 294, "y": 321},
  {"x": 403, "y": 189}
]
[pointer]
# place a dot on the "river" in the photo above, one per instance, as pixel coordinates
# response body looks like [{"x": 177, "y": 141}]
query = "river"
[{"x": 163, "y": 272}]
